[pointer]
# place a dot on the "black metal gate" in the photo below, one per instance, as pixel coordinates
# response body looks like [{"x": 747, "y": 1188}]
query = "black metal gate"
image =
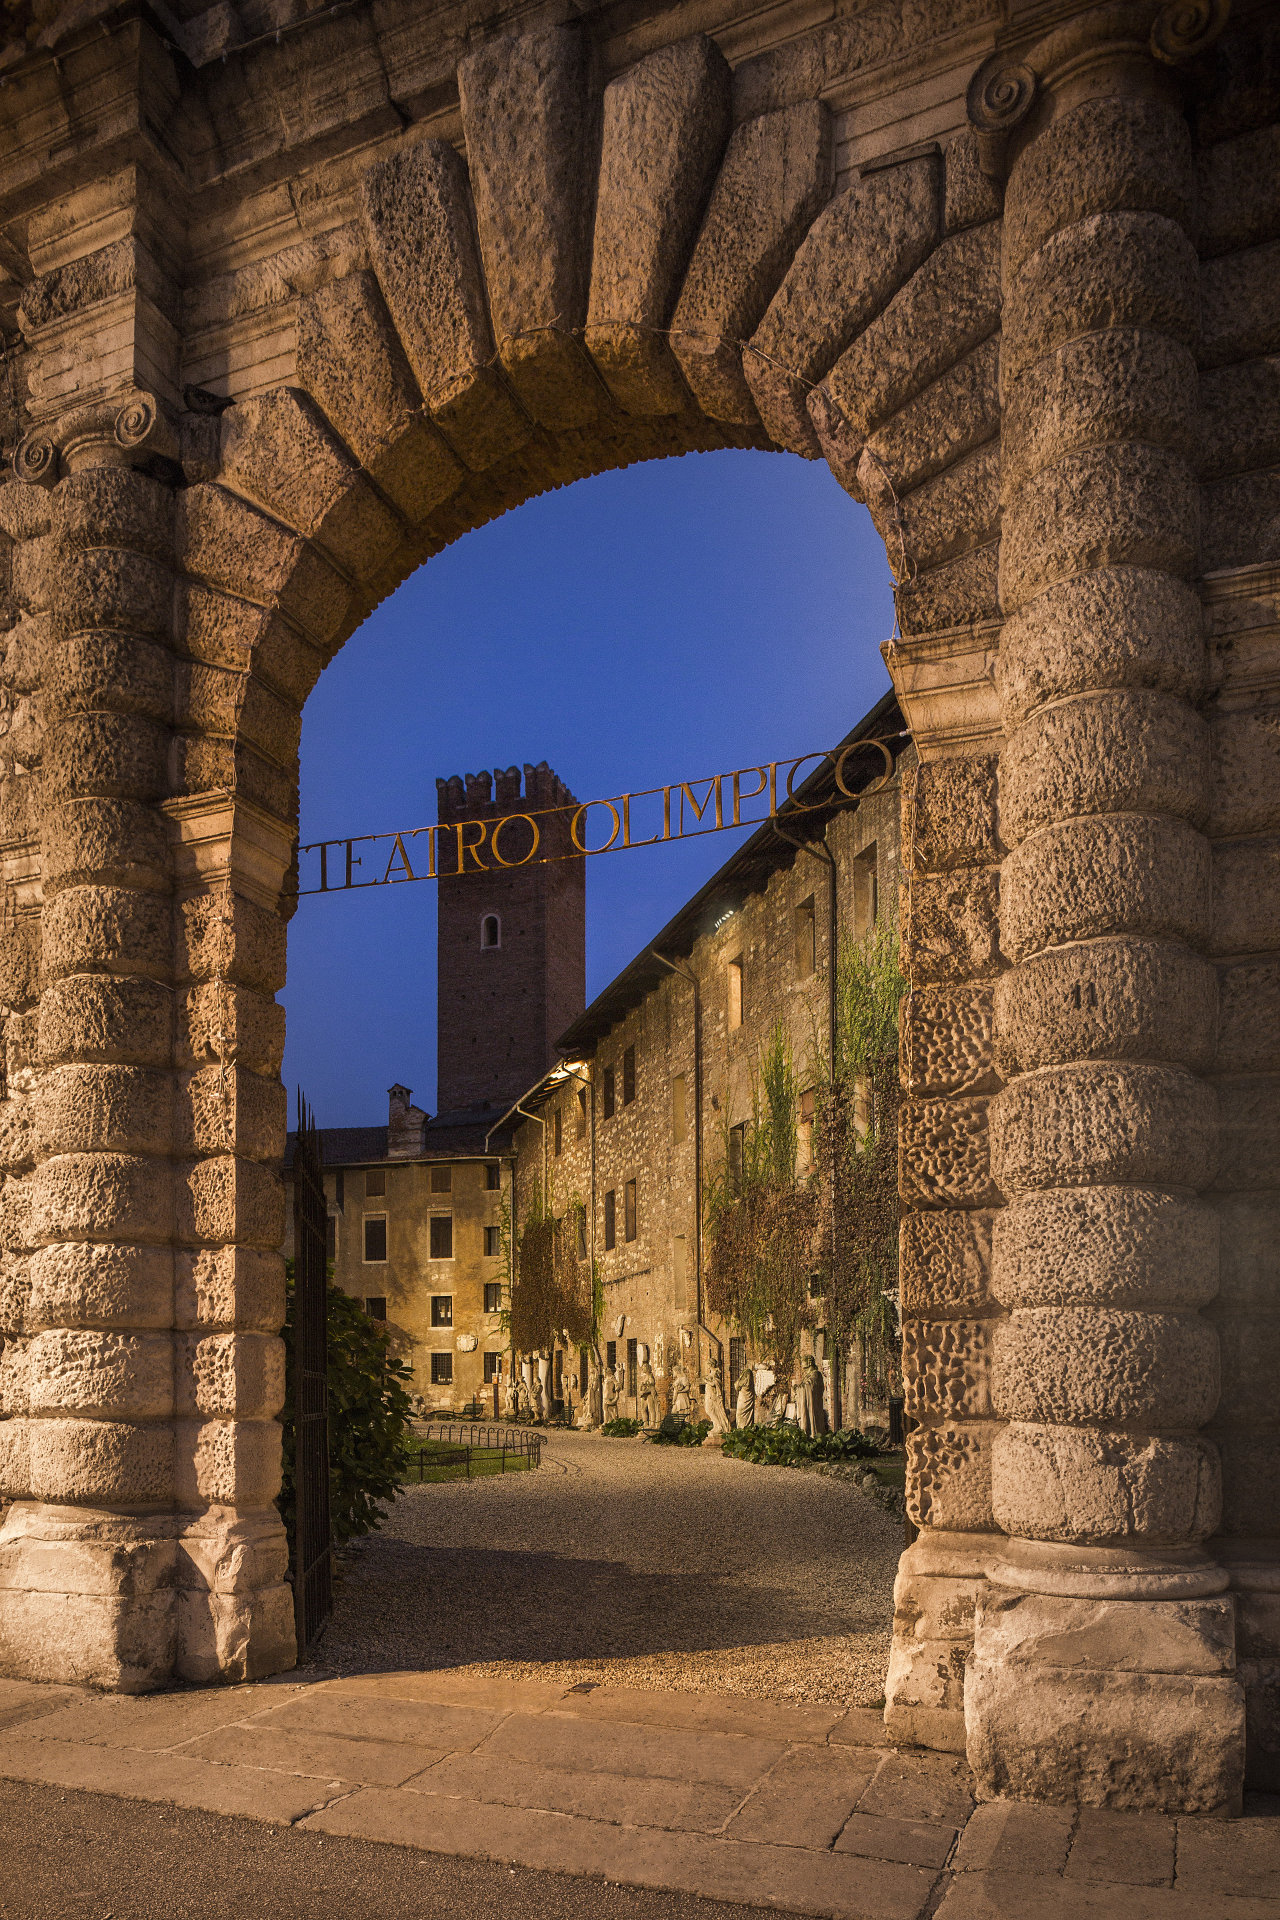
[{"x": 312, "y": 1564}]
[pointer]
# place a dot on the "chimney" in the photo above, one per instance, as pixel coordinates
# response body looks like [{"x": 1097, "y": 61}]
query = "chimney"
[{"x": 406, "y": 1125}]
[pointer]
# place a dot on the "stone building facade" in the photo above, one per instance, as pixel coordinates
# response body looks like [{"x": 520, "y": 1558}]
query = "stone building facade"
[
  {"x": 295, "y": 301},
  {"x": 655, "y": 1076}
]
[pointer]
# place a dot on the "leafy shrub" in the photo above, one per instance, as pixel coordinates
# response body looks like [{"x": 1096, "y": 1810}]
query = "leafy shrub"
[
  {"x": 368, "y": 1418},
  {"x": 675, "y": 1432},
  {"x": 620, "y": 1429},
  {"x": 786, "y": 1446}
]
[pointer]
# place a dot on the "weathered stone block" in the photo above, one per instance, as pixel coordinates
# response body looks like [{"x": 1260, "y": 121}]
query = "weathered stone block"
[
  {"x": 1241, "y": 520},
  {"x": 1120, "y": 384},
  {"x": 87, "y": 1285},
  {"x": 124, "y": 1645},
  {"x": 416, "y": 208},
  {"x": 1250, "y": 1348},
  {"x": 666, "y": 121},
  {"x": 1108, "y": 999},
  {"x": 1065, "y": 1365},
  {"x": 946, "y": 1368},
  {"x": 227, "y": 1199},
  {"x": 1109, "y": 1636},
  {"x": 107, "y": 842},
  {"x": 116, "y": 507},
  {"x": 1105, "y": 1246},
  {"x": 230, "y": 1375},
  {"x": 1240, "y": 417},
  {"x": 1088, "y": 1125},
  {"x": 352, "y": 364},
  {"x": 1239, "y": 315},
  {"x": 236, "y": 941},
  {"x": 89, "y": 1107},
  {"x": 1156, "y": 1742},
  {"x": 1110, "y": 270},
  {"x": 224, "y": 543},
  {"x": 957, "y": 414},
  {"x": 775, "y": 175},
  {"x": 959, "y": 593},
  {"x": 1112, "y": 506},
  {"x": 277, "y": 451},
  {"x": 949, "y": 515},
  {"x": 948, "y": 306},
  {"x": 1122, "y": 873},
  {"x": 232, "y": 1638},
  {"x": 100, "y": 1463},
  {"x": 951, "y": 921},
  {"x": 1250, "y": 1125},
  {"x": 1246, "y": 773},
  {"x": 107, "y": 753},
  {"x": 861, "y": 248},
  {"x": 101, "y": 1196},
  {"x": 90, "y": 672},
  {"x": 944, "y": 1263},
  {"x": 1250, "y": 1466},
  {"x": 1079, "y": 1484},
  {"x": 103, "y": 1375},
  {"x": 213, "y": 1019},
  {"x": 943, "y": 1157},
  {"x": 1250, "y": 1250},
  {"x": 1124, "y": 752},
  {"x": 230, "y": 1110},
  {"x": 949, "y": 1476},
  {"x": 972, "y": 197},
  {"x": 1236, "y": 207},
  {"x": 527, "y": 121},
  {"x": 1115, "y": 627},
  {"x": 230, "y": 1287},
  {"x": 946, "y": 1041},
  {"x": 1109, "y": 154},
  {"x": 110, "y": 587},
  {"x": 227, "y": 1463},
  {"x": 952, "y": 820}
]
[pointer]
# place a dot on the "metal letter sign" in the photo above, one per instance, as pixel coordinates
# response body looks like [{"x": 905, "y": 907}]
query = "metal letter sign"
[{"x": 686, "y": 810}]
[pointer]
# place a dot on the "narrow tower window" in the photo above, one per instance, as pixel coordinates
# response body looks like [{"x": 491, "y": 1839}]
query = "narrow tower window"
[{"x": 490, "y": 931}]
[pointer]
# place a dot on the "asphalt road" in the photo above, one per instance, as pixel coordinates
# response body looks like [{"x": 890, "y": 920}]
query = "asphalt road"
[{"x": 87, "y": 1856}]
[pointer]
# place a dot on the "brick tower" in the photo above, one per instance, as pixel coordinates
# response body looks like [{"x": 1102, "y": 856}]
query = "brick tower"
[{"x": 511, "y": 944}]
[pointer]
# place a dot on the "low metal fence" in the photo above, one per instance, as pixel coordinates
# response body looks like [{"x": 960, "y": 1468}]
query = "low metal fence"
[{"x": 453, "y": 1444}]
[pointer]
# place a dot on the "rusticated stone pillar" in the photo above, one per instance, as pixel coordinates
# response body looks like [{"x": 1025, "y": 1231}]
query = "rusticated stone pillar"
[
  {"x": 123, "y": 1543},
  {"x": 1104, "y": 1659}
]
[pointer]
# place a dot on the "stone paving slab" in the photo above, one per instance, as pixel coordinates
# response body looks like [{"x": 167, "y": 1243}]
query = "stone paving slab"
[
  {"x": 795, "y": 1878},
  {"x": 720, "y": 1798}
]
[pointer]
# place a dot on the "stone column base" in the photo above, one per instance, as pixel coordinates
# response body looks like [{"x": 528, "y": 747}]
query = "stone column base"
[
  {"x": 126, "y": 1603},
  {"x": 87, "y": 1597},
  {"x": 940, "y": 1579},
  {"x": 1107, "y": 1698},
  {"x": 1255, "y": 1583}
]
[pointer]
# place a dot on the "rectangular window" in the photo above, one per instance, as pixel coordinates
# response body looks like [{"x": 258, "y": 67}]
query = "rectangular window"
[
  {"x": 557, "y": 1132},
  {"x": 331, "y": 1236},
  {"x": 610, "y": 1220},
  {"x": 581, "y": 1236},
  {"x": 376, "y": 1306},
  {"x": 492, "y": 1367},
  {"x": 492, "y": 1176},
  {"x": 442, "y": 1179},
  {"x": 442, "y": 1309},
  {"x": 630, "y": 1210},
  {"x": 735, "y": 992},
  {"x": 737, "y": 1153},
  {"x": 607, "y": 1096},
  {"x": 632, "y": 1368},
  {"x": 806, "y": 939},
  {"x": 628, "y": 1076},
  {"x": 866, "y": 891},
  {"x": 611, "y": 1354},
  {"x": 582, "y": 1113},
  {"x": 679, "y": 1124},
  {"x": 442, "y": 1236},
  {"x": 680, "y": 1268},
  {"x": 375, "y": 1236},
  {"x": 340, "y": 1190},
  {"x": 375, "y": 1182},
  {"x": 442, "y": 1369},
  {"x": 493, "y": 1296},
  {"x": 492, "y": 1242}
]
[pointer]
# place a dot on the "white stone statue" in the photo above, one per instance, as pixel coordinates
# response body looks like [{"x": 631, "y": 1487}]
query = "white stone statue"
[
  {"x": 681, "y": 1393},
  {"x": 648, "y": 1395},
  {"x": 544, "y": 1381},
  {"x": 810, "y": 1414},
  {"x": 713, "y": 1404},
  {"x": 610, "y": 1389},
  {"x": 510, "y": 1400},
  {"x": 744, "y": 1410},
  {"x": 618, "y": 1325},
  {"x": 660, "y": 1356}
]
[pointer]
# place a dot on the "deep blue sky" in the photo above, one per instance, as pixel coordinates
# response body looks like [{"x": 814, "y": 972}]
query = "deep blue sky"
[{"x": 672, "y": 620}]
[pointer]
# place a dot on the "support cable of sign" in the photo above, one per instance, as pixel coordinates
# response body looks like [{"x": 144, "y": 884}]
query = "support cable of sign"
[{"x": 726, "y": 803}]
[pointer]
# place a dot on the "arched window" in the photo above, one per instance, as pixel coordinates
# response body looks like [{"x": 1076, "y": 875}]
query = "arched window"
[{"x": 490, "y": 931}]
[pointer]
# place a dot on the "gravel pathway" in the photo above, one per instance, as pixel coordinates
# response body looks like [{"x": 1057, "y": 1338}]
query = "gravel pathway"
[{"x": 654, "y": 1567}]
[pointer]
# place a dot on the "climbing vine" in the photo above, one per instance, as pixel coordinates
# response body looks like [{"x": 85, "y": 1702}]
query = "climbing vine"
[
  {"x": 763, "y": 1219},
  {"x": 554, "y": 1290}
]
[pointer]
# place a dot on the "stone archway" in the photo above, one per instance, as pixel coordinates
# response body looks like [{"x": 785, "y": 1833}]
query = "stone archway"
[{"x": 1008, "y": 343}]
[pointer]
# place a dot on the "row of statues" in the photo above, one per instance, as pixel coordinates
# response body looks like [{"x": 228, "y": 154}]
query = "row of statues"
[{"x": 528, "y": 1396}]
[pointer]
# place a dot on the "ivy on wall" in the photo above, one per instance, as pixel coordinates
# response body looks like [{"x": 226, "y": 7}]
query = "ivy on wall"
[{"x": 554, "y": 1291}]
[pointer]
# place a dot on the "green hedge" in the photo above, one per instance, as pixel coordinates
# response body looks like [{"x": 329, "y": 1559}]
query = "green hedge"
[{"x": 787, "y": 1447}]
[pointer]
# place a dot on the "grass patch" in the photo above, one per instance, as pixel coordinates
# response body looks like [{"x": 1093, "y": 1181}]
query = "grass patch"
[{"x": 435, "y": 1460}]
